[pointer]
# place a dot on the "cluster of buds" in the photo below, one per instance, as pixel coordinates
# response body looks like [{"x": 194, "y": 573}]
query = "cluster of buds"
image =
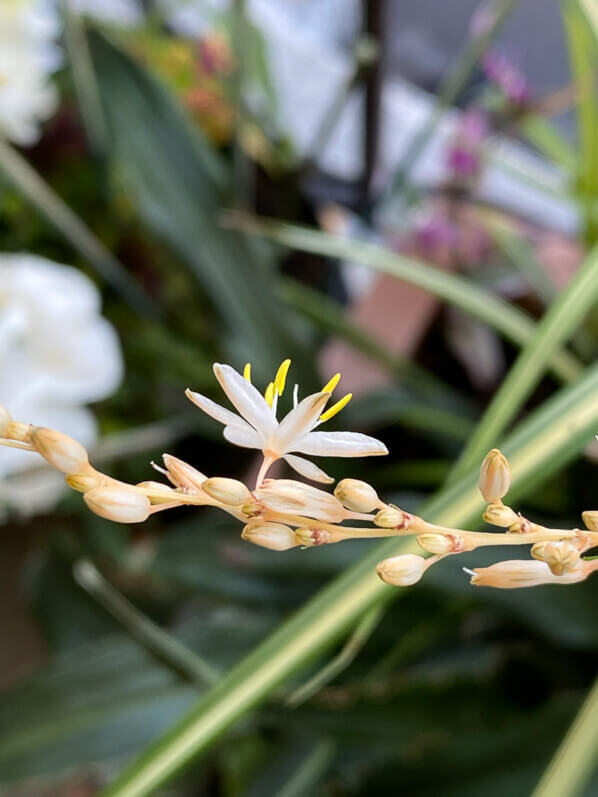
[{"x": 281, "y": 514}]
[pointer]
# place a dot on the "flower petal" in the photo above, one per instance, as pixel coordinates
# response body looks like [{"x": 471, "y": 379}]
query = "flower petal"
[
  {"x": 217, "y": 412},
  {"x": 246, "y": 438},
  {"x": 340, "y": 444},
  {"x": 308, "y": 469},
  {"x": 299, "y": 421},
  {"x": 247, "y": 400}
]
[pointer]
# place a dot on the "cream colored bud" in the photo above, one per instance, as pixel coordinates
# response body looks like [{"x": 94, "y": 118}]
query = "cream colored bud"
[
  {"x": 183, "y": 475},
  {"x": 275, "y": 536},
  {"x": 231, "y": 492},
  {"x": 440, "y": 543},
  {"x": 5, "y": 420},
  {"x": 500, "y": 515},
  {"x": 561, "y": 557},
  {"x": 590, "y": 518},
  {"x": 252, "y": 508},
  {"x": 19, "y": 431},
  {"x": 495, "y": 476},
  {"x": 157, "y": 492},
  {"x": 119, "y": 504},
  {"x": 313, "y": 536},
  {"x": 392, "y": 518},
  {"x": 61, "y": 451},
  {"x": 88, "y": 479},
  {"x": 356, "y": 495},
  {"x": 402, "y": 571}
]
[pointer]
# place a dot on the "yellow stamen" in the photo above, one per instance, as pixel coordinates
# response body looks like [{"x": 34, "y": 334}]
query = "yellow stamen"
[
  {"x": 281, "y": 377},
  {"x": 330, "y": 413},
  {"x": 329, "y": 386},
  {"x": 247, "y": 372},
  {"x": 269, "y": 394}
]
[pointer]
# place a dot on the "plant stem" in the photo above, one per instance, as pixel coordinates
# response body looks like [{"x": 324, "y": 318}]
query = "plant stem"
[
  {"x": 546, "y": 440},
  {"x": 574, "y": 762},
  {"x": 157, "y": 641},
  {"x": 340, "y": 662}
]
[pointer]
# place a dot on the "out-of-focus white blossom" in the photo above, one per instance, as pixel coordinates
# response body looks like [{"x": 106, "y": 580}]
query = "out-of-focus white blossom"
[
  {"x": 28, "y": 56},
  {"x": 125, "y": 13},
  {"x": 57, "y": 353}
]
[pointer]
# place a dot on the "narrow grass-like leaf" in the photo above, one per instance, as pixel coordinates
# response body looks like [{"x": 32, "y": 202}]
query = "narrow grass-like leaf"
[
  {"x": 574, "y": 762},
  {"x": 549, "y": 438},
  {"x": 583, "y": 56},
  {"x": 550, "y": 142},
  {"x": 477, "y": 302},
  {"x": 558, "y": 324},
  {"x": 520, "y": 253},
  {"x": 177, "y": 181}
]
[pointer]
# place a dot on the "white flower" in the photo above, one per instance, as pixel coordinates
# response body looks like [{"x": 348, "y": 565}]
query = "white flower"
[
  {"x": 57, "y": 353},
  {"x": 124, "y": 13},
  {"x": 256, "y": 425},
  {"x": 28, "y": 55}
]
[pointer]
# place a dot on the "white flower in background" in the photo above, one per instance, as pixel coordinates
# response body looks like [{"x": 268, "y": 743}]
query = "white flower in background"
[
  {"x": 256, "y": 425},
  {"x": 124, "y": 13},
  {"x": 28, "y": 56},
  {"x": 57, "y": 354}
]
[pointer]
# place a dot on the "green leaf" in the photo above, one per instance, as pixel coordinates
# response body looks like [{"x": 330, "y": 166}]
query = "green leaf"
[
  {"x": 583, "y": 56},
  {"x": 550, "y": 142},
  {"x": 477, "y": 302},
  {"x": 177, "y": 181},
  {"x": 560, "y": 321}
]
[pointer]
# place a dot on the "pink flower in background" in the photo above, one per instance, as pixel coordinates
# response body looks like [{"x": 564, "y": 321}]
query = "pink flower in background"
[
  {"x": 464, "y": 155},
  {"x": 501, "y": 71}
]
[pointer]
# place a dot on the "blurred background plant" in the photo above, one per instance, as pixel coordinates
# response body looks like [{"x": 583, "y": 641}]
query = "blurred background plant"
[{"x": 407, "y": 195}]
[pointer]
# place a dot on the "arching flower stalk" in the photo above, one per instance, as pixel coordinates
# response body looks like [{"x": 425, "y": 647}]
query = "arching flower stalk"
[{"x": 280, "y": 514}]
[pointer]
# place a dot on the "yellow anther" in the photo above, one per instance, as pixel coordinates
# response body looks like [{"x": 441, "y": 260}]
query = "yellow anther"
[
  {"x": 269, "y": 394},
  {"x": 329, "y": 386},
  {"x": 247, "y": 372},
  {"x": 281, "y": 377},
  {"x": 330, "y": 413}
]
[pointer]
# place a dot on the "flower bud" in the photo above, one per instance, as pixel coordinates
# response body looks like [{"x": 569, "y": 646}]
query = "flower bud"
[
  {"x": 516, "y": 574},
  {"x": 231, "y": 492},
  {"x": 61, "y": 451},
  {"x": 495, "y": 476},
  {"x": 118, "y": 504},
  {"x": 590, "y": 518},
  {"x": 392, "y": 518},
  {"x": 157, "y": 492},
  {"x": 252, "y": 508},
  {"x": 313, "y": 536},
  {"x": 5, "y": 420},
  {"x": 274, "y": 536},
  {"x": 402, "y": 571},
  {"x": 440, "y": 543},
  {"x": 356, "y": 495},
  {"x": 88, "y": 479},
  {"x": 500, "y": 515},
  {"x": 561, "y": 557},
  {"x": 181, "y": 474},
  {"x": 291, "y": 497},
  {"x": 19, "y": 431}
]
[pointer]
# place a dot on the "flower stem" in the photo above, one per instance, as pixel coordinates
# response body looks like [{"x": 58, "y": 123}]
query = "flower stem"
[{"x": 157, "y": 641}]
